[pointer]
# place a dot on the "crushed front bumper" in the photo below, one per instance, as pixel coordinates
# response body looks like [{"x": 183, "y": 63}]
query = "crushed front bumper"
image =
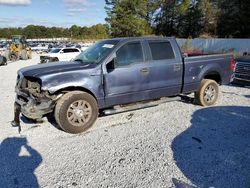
[{"x": 31, "y": 107}]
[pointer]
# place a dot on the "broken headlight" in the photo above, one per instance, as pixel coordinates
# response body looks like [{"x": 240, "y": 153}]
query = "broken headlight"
[{"x": 34, "y": 88}]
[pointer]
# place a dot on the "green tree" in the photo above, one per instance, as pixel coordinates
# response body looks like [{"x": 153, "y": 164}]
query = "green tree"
[
  {"x": 189, "y": 19},
  {"x": 99, "y": 31},
  {"x": 234, "y": 18},
  {"x": 209, "y": 16},
  {"x": 128, "y": 18},
  {"x": 165, "y": 20}
]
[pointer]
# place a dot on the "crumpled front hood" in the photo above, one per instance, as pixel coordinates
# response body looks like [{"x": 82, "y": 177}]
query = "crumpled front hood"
[{"x": 53, "y": 68}]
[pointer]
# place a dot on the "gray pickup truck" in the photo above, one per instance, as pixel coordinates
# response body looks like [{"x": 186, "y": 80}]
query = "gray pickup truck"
[
  {"x": 113, "y": 73},
  {"x": 241, "y": 75}
]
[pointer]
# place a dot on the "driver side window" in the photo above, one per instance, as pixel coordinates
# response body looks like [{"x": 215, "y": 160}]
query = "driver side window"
[{"x": 128, "y": 54}]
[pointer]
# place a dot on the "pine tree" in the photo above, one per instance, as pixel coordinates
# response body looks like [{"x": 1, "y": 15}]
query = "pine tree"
[
  {"x": 234, "y": 18},
  {"x": 209, "y": 15},
  {"x": 128, "y": 18},
  {"x": 165, "y": 20}
]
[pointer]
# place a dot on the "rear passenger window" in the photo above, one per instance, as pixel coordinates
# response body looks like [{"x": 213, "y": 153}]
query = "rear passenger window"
[
  {"x": 161, "y": 50},
  {"x": 66, "y": 50},
  {"x": 74, "y": 50},
  {"x": 129, "y": 53}
]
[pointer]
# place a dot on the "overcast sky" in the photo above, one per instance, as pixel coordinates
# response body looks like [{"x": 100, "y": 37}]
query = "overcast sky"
[{"x": 62, "y": 13}]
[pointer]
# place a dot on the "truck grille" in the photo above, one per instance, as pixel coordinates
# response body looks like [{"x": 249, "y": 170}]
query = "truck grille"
[{"x": 242, "y": 68}]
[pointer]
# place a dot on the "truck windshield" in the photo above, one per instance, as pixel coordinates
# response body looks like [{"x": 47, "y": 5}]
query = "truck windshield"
[{"x": 96, "y": 52}]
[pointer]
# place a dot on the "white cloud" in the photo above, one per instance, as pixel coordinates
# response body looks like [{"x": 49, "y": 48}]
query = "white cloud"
[
  {"x": 74, "y": 7},
  {"x": 23, "y": 22},
  {"x": 15, "y": 2}
]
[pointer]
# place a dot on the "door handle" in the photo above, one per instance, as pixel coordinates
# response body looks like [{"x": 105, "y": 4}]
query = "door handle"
[
  {"x": 177, "y": 67},
  {"x": 144, "y": 70}
]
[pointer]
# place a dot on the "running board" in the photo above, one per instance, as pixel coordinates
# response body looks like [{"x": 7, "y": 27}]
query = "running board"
[{"x": 139, "y": 106}]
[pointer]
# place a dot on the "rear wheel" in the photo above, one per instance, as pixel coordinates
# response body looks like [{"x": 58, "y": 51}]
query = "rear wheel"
[
  {"x": 54, "y": 59},
  {"x": 208, "y": 92},
  {"x": 3, "y": 60},
  {"x": 76, "y": 112}
]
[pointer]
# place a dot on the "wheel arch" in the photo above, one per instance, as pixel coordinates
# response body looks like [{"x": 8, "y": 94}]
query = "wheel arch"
[
  {"x": 213, "y": 75},
  {"x": 75, "y": 88}
]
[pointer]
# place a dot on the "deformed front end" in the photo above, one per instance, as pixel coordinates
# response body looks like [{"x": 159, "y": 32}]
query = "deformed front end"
[{"x": 30, "y": 100}]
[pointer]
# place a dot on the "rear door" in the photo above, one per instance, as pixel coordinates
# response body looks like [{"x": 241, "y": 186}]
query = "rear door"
[
  {"x": 65, "y": 55},
  {"x": 128, "y": 81},
  {"x": 74, "y": 52},
  {"x": 165, "y": 68}
]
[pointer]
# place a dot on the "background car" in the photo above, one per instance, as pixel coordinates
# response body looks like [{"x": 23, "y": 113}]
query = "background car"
[
  {"x": 60, "y": 54},
  {"x": 241, "y": 74}
]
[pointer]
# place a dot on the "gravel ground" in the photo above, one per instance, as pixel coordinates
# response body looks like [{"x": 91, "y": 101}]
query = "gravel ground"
[{"x": 174, "y": 144}]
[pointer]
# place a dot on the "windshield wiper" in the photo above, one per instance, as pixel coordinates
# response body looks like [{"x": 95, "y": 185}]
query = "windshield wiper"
[{"x": 78, "y": 60}]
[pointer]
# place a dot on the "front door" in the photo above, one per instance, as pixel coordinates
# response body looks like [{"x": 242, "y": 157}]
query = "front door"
[{"x": 127, "y": 82}]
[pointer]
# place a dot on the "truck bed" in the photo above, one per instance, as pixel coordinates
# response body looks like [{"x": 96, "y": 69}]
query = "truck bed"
[{"x": 198, "y": 66}]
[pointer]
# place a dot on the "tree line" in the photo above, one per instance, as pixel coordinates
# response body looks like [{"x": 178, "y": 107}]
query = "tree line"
[
  {"x": 99, "y": 31},
  {"x": 179, "y": 18}
]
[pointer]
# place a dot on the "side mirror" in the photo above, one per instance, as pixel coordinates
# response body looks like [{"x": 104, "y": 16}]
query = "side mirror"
[
  {"x": 61, "y": 52},
  {"x": 111, "y": 65}
]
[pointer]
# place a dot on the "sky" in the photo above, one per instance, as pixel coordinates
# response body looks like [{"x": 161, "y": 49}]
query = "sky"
[{"x": 59, "y": 13}]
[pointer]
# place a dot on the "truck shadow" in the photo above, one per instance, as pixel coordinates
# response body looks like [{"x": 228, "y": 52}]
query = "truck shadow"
[
  {"x": 215, "y": 150},
  {"x": 16, "y": 170}
]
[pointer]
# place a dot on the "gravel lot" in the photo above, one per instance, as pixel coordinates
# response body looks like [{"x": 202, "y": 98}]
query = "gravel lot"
[{"x": 172, "y": 145}]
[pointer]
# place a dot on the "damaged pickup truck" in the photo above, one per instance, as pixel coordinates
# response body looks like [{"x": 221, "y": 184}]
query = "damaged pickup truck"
[{"x": 113, "y": 73}]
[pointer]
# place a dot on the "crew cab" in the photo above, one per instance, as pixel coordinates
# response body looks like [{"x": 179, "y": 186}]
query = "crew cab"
[
  {"x": 116, "y": 72},
  {"x": 60, "y": 54}
]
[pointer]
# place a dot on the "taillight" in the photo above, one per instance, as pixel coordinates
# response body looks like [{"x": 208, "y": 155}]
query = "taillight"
[{"x": 232, "y": 64}]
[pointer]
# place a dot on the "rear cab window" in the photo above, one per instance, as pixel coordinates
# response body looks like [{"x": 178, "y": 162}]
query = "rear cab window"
[
  {"x": 161, "y": 50},
  {"x": 66, "y": 50}
]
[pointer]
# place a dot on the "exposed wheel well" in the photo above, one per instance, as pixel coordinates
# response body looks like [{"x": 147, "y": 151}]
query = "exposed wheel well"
[
  {"x": 213, "y": 76},
  {"x": 69, "y": 89}
]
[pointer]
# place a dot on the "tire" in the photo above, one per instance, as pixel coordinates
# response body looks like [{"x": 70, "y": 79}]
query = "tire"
[
  {"x": 208, "y": 93},
  {"x": 7, "y": 54},
  {"x": 13, "y": 57},
  {"x": 54, "y": 59},
  {"x": 24, "y": 55},
  {"x": 69, "y": 112},
  {"x": 3, "y": 60}
]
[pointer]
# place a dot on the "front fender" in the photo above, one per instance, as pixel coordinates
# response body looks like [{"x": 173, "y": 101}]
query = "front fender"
[{"x": 55, "y": 83}]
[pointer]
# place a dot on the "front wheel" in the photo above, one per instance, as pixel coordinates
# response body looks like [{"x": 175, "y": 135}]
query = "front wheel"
[
  {"x": 208, "y": 92},
  {"x": 76, "y": 112},
  {"x": 13, "y": 57}
]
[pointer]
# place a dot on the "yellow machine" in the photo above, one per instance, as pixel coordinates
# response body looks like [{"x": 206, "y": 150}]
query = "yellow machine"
[{"x": 18, "y": 49}]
